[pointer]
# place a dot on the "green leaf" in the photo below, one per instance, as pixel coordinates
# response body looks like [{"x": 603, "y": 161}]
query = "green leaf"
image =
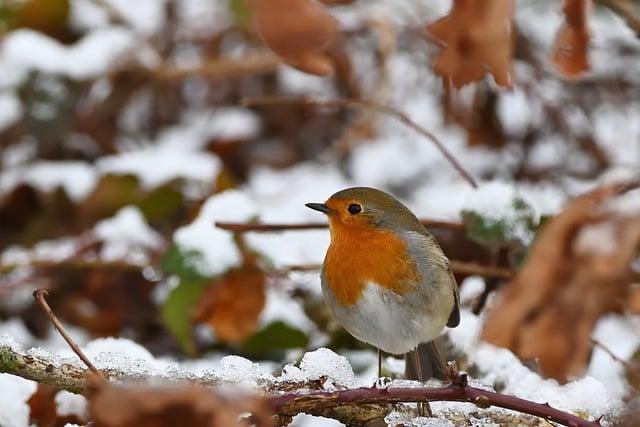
[
  {"x": 162, "y": 203},
  {"x": 176, "y": 311},
  {"x": 274, "y": 338},
  {"x": 182, "y": 263},
  {"x": 241, "y": 13},
  {"x": 516, "y": 226}
]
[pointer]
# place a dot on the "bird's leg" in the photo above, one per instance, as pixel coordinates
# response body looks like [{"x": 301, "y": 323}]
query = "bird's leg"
[
  {"x": 381, "y": 382},
  {"x": 379, "y": 363},
  {"x": 422, "y": 406}
]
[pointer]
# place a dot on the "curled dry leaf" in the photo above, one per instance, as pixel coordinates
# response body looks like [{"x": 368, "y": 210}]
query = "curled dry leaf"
[
  {"x": 570, "y": 48},
  {"x": 299, "y": 31},
  {"x": 476, "y": 38},
  {"x": 232, "y": 305},
  {"x": 117, "y": 406},
  {"x": 578, "y": 269}
]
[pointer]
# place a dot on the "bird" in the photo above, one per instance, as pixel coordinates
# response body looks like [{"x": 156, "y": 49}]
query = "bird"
[{"x": 386, "y": 280}]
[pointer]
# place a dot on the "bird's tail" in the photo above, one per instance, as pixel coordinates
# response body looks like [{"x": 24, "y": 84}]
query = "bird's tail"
[{"x": 425, "y": 362}]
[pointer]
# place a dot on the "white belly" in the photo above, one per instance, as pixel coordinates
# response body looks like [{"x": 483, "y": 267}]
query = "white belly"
[{"x": 391, "y": 322}]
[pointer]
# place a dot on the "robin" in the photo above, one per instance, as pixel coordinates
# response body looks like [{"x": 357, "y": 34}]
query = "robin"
[{"x": 386, "y": 280}]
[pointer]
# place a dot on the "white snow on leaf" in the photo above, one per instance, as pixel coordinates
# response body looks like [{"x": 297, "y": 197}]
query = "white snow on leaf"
[
  {"x": 76, "y": 178},
  {"x": 128, "y": 226},
  {"x": 156, "y": 165},
  {"x": 14, "y": 411},
  {"x": 494, "y": 201},
  {"x": 217, "y": 249},
  {"x": 127, "y": 235},
  {"x": 90, "y": 57}
]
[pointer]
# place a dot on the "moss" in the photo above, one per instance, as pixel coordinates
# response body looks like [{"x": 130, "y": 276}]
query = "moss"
[{"x": 8, "y": 360}]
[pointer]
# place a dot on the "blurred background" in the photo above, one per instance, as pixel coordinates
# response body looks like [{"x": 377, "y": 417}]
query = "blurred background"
[{"x": 129, "y": 128}]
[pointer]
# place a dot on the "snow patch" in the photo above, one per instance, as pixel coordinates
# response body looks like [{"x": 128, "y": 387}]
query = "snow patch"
[
  {"x": 14, "y": 410},
  {"x": 322, "y": 363},
  {"x": 68, "y": 404},
  {"x": 92, "y": 56},
  {"x": 76, "y": 178},
  {"x": 218, "y": 252}
]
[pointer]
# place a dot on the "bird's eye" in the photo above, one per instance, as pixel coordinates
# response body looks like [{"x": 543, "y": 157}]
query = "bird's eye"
[{"x": 354, "y": 209}]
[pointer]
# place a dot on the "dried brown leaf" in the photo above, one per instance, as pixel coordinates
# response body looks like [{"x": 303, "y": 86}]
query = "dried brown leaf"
[
  {"x": 232, "y": 305},
  {"x": 299, "y": 31},
  {"x": 115, "y": 406},
  {"x": 476, "y": 38},
  {"x": 570, "y": 279},
  {"x": 572, "y": 43}
]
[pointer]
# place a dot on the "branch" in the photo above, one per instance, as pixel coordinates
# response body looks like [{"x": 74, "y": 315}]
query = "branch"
[
  {"x": 220, "y": 67},
  {"x": 317, "y": 403},
  {"x": 366, "y": 103},
  {"x": 243, "y": 227},
  {"x": 351, "y": 406}
]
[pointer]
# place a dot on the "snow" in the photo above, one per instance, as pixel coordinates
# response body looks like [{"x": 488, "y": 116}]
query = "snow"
[
  {"x": 125, "y": 234},
  {"x": 321, "y": 363},
  {"x": 14, "y": 411},
  {"x": 76, "y": 178},
  {"x": 501, "y": 366},
  {"x": 620, "y": 335},
  {"x": 156, "y": 165},
  {"x": 494, "y": 201},
  {"x": 10, "y": 109},
  {"x": 281, "y": 307},
  {"x": 68, "y": 404},
  {"x": 96, "y": 53},
  {"x": 233, "y": 123},
  {"x": 410, "y": 420},
  {"x": 216, "y": 248},
  {"x": 304, "y": 420}
]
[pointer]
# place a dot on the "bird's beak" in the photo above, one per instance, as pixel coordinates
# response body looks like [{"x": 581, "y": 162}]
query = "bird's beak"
[{"x": 321, "y": 207}]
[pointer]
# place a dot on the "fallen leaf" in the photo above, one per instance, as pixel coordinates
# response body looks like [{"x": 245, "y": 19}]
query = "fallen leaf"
[
  {"x": 43, "y": 409},
  {"x": 476, "y": 38},
  {"x": 578, "y": 269},
  {"x": 118, "y": 406},
  {"x": 571, "y": 45},
  {"x": 232, "y": 305},
  {"x": 299, "y": 31}
]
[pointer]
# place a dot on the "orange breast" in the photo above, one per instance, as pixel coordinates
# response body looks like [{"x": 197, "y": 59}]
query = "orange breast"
[{"x": 358, "y": 256}]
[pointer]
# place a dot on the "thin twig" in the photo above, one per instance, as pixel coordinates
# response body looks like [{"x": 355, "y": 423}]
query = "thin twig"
[
  {"x": 220, "y": 67},
  {"x": 633, "y": 369},
  {"x": 243, "y": 227},
  {"x": 366, "y": 103},
  {"x": 39, "y": 295},
  {"x": 458, "y": 267}
]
